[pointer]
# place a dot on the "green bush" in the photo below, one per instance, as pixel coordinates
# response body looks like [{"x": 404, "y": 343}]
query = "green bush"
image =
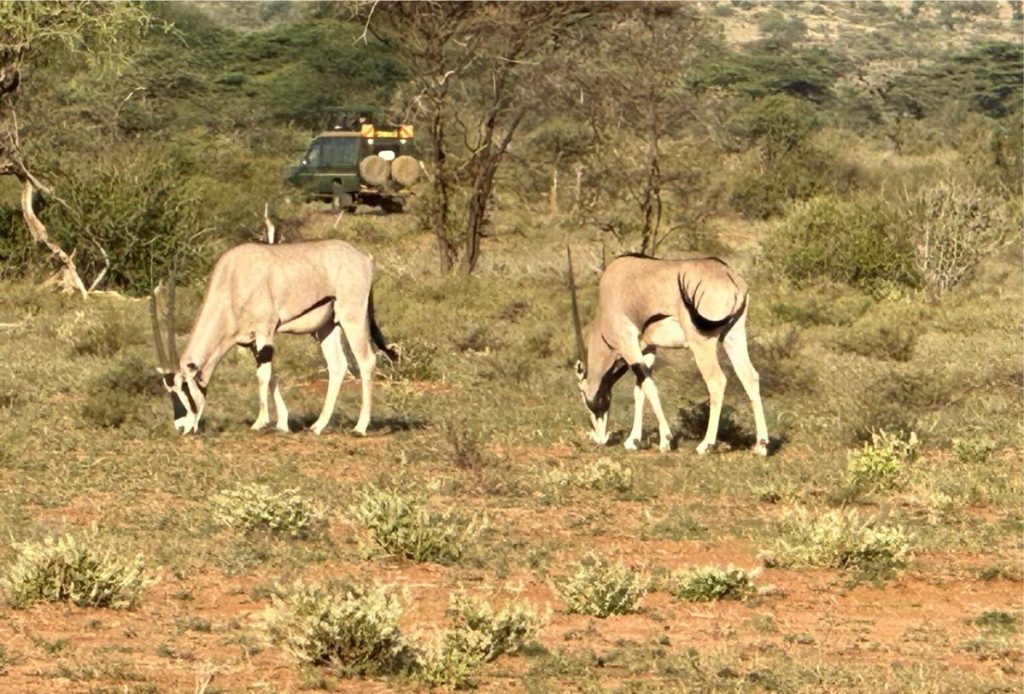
[
  {"x": 863, "y": 242},
  {"x": 74, "y": 569},
  {"x": 600, "y": 589},
  {"x": 604, "y": 475},
  {"x": 353, "y": 628},
  {"x": 839, "y": 540},
  {"x": 478, "y": 635},
  {"x": 401, "y": 526},
  {"x": 258, "y": 507},
  {"x": 114, "y": 395},
  {"x": 707, "y": 583},
  {"x": 881, "y": 464},
  {"x": 974, "y": 450},
  {"x": 957, "y": 226}
]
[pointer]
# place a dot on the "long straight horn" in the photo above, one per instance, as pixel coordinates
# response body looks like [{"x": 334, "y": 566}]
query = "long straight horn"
[
  {"x": 575, "y": 308},
  {"x": 158, "y": 340},
  {"x": 172, "y": 350}
]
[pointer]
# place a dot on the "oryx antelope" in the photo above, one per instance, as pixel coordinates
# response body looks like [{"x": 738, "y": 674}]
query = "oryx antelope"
[
  {"x": 319, "y": 288},
  {"x": 645, "y": 303}
]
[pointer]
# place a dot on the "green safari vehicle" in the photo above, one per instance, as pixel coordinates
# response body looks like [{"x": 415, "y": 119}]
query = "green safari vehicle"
[{"x": 356, "y": 161}]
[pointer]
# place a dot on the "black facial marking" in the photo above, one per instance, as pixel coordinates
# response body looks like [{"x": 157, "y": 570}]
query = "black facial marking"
[
  {"x": 602, "y": 400},
  {"x": 188, "y": 394},
  {"x": 264, "y": 354},
  {"x": 641, "y": 371},
  {"x": 168, "y": 380},
  {"x": 179, "y": 408}
]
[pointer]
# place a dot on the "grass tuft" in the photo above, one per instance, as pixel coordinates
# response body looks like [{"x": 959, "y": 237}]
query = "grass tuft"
[
  {"x": 401, "y": 526},
  {"x": 600, "y": 588},
  {"x": 353, "y": 628},
  {"x": 708, "y": 583},
  {"x": 76, "y": 570},
  {"x": 258, "y": 507},
  {"x": 840, "y": 540}
]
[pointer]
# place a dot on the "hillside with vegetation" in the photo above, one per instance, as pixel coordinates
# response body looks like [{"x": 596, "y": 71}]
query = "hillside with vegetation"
[{"x": 859, "y": 163}]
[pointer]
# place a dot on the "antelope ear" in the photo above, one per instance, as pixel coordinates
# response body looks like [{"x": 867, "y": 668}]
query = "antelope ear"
[{"x": 581, "y": 371}]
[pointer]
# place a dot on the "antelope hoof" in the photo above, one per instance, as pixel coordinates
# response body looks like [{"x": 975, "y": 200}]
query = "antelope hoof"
[
  {"x": 704, "y": 447},
  {"x": 598, "y": 439},
  {"x": 665, "y": 445},
  {"x": 318, "y": 427},
  {"x": 283, "y": 426},
  {"x": 359, "y": 431},
  {"x": 761, "y": 448},
  {"x": 631, "y": 444},
  {"x": 260, "y": 424}
]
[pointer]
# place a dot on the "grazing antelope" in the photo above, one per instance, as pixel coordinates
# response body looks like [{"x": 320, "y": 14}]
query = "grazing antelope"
[
  {"x": 645, "y": 303},
  {"x": 319, "y": 288}
]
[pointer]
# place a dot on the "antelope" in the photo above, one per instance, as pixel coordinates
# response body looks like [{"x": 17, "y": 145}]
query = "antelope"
[
  {"x": 645, "y": 303},
  {"x": 318, "y": 288}
]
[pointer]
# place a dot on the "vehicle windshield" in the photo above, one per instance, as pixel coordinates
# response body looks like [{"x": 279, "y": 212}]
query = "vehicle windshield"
[{"x": 336, "y": 151}]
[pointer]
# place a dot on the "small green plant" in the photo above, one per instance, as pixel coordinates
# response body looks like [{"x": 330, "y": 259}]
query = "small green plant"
[
  {"x": 600, "y": 588},
  {"x": 478, "y": 635},
  {"x": 975, "y": 450},
  {"x": 707, "y": 583},
  {"x": 997, "y": 621},
  {"x": 400, "y": 525},
  {"x": 839, "y": 540},
  {"x": 119, "y": 391},
  {"x": 605, "y": 475},
  {"x": 354, "y": 628},
  {"x": 258, "y": 507},
  {"x": 881, "y": 464},
  {"x": 74, "y": 569}
]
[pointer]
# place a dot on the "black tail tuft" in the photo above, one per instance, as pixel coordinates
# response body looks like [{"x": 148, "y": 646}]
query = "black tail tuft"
[
  {"x": 389, "y": 349},
  {"x": 705, "y": 325}
]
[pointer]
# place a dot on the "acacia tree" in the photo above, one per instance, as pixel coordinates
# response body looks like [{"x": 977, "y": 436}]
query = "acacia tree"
[
  {"x": 473, "y": 71},
  {"x": 628, "y": 85},
  {"x": 31, "y": 34}
]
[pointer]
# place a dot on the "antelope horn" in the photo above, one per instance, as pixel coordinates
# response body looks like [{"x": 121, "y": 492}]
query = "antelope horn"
[
  {"x": 172, "y": 350},
  {"x": 161, "y": 354},
  {"x": 575, "y": 308}
]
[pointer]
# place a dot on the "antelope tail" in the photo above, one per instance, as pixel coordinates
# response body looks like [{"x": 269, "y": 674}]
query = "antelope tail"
[
  {"x": 580, "y": 350},
  {"x": 706, "y": 325},
  {"x": 391, "y": 350}
]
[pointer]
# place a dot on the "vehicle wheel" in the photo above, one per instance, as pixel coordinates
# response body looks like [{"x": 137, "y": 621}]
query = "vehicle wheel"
[
  {"x": 392, "y": 206},
  {"x": 340, "y": 200}
]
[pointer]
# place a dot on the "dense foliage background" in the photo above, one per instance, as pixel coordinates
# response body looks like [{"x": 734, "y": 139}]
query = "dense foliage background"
[{"x": 650, "y": 125}]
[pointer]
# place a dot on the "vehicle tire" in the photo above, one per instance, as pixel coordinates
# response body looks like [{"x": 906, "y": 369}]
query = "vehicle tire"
[
  {"x": 340, "y": 200},
  {"x": 374, "y": 170},
  {"x": 392, "y": 206},
  {"x": 405, "y": 170}
]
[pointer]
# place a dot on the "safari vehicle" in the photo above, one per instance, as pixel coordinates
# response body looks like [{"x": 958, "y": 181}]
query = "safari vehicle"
[{"x": 358, "y": 159}]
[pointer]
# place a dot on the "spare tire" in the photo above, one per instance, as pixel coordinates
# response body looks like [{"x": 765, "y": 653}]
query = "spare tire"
[
  {"x": 405, "y": 170},
  {"x": 374, "y": 170}
]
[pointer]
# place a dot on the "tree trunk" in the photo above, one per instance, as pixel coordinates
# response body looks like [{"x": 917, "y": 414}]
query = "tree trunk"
[{"x": 67, "y": 277}]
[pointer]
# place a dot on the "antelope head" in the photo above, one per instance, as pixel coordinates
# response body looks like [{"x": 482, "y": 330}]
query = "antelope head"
[{"x": 188, "y": 393}]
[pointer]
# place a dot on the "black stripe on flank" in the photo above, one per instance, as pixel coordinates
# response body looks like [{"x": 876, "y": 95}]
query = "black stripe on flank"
[
  {"x": 654, "y": 319},
  {"x": 325, "y": 300}
]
